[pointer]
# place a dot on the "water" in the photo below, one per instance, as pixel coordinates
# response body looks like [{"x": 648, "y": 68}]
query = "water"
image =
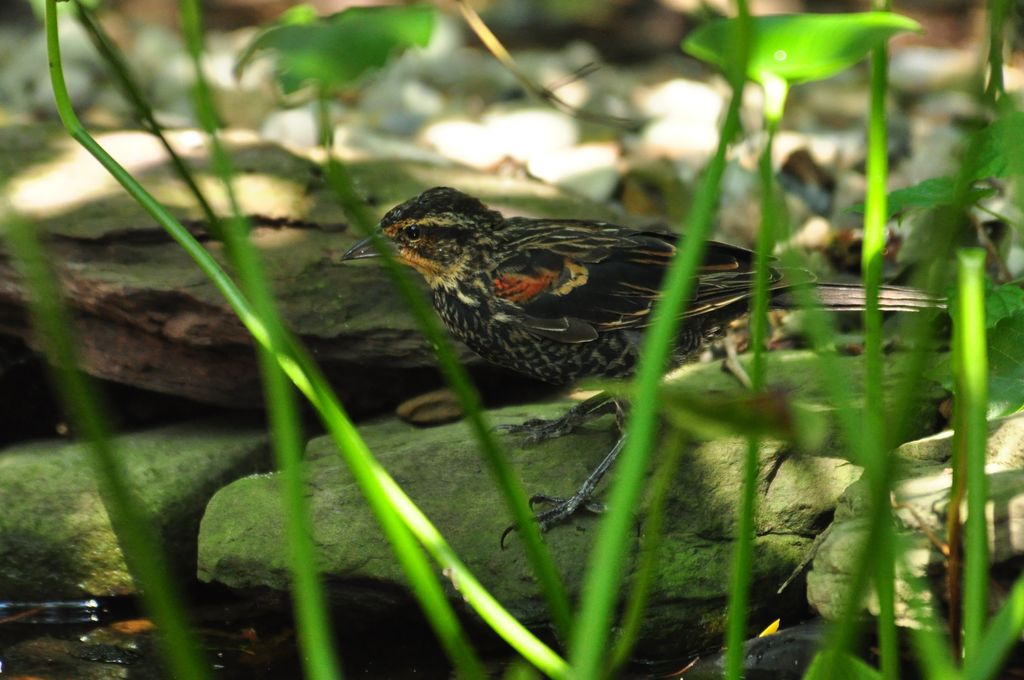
[{"x": 242, "y": 638}]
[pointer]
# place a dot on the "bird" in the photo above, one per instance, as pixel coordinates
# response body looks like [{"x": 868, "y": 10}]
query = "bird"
[{"x": 564, "y": 299}]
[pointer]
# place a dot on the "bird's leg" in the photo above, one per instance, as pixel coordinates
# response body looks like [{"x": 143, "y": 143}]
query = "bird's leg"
[
  {"x": 564, "y": 508},
  {"x": 540, "y": 429}
]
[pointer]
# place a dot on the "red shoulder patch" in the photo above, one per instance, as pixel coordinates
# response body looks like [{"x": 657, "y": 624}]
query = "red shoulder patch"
[{"x": 521, "y": 287}]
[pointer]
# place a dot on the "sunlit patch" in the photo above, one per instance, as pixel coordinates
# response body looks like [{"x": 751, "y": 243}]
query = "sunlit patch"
[
  {"x": 83, "y": 181},
  {"x": 269, "y": 238},
  {"x": 80, "y": 177}
]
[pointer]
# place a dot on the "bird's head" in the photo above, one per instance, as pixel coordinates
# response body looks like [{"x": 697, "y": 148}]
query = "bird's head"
[{"x": 442, "y": 233}]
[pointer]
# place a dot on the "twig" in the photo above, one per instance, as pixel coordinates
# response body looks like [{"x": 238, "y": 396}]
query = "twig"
[
  {"x": 808, "y": 558},
  {"x": 579, "y": 74},
  {"x": 21, "y": 615},
  {"x": 937, "y": 542},
  {"x": 954, "y": 534}
]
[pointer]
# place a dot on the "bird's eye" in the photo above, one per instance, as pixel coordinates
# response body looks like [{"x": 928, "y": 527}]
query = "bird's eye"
[{"x": 412, "y": 233}]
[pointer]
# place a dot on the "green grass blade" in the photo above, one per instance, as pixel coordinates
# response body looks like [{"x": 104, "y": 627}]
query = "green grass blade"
[
  {"x": 920, "y": 327},
  {"x": 971, "y": 395},
  {"x": 841, "y": 666},
  {"x": 143, "y": 552},
  {"x": 652, "y": 538},
  {"x": 875, "y": 456},
  {"x": 821, "y": 332},
  {"x": 311, "y": 615},
  {"x": 312, "y": 618},
  {"x": 358, "y": 457},
  {"x": 995, "y": 91},
  {"x": 399, "y": 523},
  {"x": 1002, "y": 634},
  {"x": 604, "y": 572},
  {"x": 931, "y": 647}
]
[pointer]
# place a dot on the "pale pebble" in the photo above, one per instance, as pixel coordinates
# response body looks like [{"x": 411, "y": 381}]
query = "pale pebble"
[
  {"x": 465, "y": 142},
  {"x": 525, "y": 133},
  {"x": 681, "y": 99}
]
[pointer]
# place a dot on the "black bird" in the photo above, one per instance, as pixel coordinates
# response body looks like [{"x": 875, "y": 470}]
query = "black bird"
[{"x": 560, "y": 299}]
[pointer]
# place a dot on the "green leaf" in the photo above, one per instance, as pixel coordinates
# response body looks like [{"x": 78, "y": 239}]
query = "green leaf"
[
  {"x": 771, "y": 414},
  {"x": 998, "y": 147},
  {"x": 334, "y": 52},
  {"x": 1002, "y": 302},
  {"x": 799, "y": 47},
  {"x": 1004, "y": 320},
  {"x": 931, "y": 193},
  {"x": 1006, "y": 366},
  {"x": 995, "y": 152}
]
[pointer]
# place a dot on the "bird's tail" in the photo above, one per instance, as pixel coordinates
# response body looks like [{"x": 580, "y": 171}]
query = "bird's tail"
[{"x": 851, "y": 297}]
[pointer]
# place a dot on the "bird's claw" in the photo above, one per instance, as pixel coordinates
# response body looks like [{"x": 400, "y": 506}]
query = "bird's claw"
[
  {"x": 561, "y": 510},
  {"x": 538, "y": 430}
]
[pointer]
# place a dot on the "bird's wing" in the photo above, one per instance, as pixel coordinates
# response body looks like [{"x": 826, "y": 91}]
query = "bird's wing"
[{"x": 570, "y": 281}]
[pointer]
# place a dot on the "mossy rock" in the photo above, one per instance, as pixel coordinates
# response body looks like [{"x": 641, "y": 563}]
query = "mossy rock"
[
  {"x": 56, "y": 539},
  {"x": 242, "y": 535}
]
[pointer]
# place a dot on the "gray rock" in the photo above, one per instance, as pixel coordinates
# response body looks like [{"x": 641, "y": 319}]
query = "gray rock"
[
  {"x": 296, "y": 127},
  {"x": 1005, "y": 445},
  {"x": 242, "y": 534},
  {"x": 785, "y": 655},
  {"x": 923, "y": 498},
  {"x": 56, "y": 541}
]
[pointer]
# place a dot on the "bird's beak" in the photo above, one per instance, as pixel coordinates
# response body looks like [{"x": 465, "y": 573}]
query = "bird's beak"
[{"x": 362, "y": 250}]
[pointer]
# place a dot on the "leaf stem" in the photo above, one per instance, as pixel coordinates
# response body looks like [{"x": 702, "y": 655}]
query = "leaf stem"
[{"x": 776, "y": 90}]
